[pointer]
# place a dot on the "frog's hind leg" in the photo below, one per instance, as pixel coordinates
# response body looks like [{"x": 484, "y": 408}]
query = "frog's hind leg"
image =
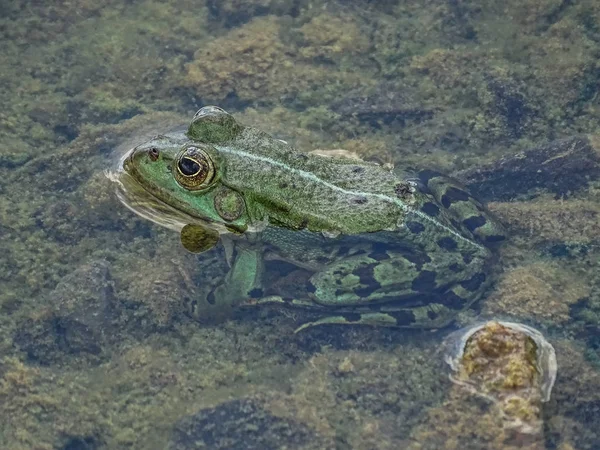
[
  {"x": 398, "y": 318},
  {"x": 372, "y": 318},
  {"x": 465, "y": 211},
  {"x": 431, "y": 316}
]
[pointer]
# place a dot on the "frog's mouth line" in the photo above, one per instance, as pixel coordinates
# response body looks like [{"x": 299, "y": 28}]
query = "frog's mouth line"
[{"x": 142, "y": 202}]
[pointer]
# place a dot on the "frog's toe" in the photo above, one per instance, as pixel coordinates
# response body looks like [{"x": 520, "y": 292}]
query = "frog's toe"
[{"x": 270, "y": 300}]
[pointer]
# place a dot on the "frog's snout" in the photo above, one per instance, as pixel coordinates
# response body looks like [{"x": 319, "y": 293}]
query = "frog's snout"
[
  {"x": 137, "y": 155},
  {"x": 128, "y": 161}
]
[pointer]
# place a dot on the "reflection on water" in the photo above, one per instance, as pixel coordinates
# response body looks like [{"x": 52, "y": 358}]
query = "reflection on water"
[{"x": 104, "y": 342}]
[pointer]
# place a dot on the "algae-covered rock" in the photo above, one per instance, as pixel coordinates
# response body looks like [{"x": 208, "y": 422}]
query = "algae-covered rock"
[
  {"x": 83, "y": 308},
  {"x": 370, "y": 399},
  {"x": 550, "y": 221},
  {"x": 77, "y": 318},
  {"x": 254, "y": 63},
  {"x": 383, "y": 104},
  {"x": 544, "y": 292},
  {"x": 503, "y": 372},
  {"x": 502, "y": 360},
  {"x": 561, "y": 167},
  {"x": 242, "y": 424},
  {"x": 235, "y": 12}
]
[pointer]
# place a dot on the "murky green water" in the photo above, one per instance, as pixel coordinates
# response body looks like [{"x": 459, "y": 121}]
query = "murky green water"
[{"x": 101, "y": 343}]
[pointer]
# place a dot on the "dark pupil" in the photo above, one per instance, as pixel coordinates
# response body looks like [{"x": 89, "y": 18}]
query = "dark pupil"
[{"x": 188, "y": 166}]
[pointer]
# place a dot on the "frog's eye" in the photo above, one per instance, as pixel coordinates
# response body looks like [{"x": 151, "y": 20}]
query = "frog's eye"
[
  {"x": 195, "y": 170},
  {"x": 212, "y": 124}
]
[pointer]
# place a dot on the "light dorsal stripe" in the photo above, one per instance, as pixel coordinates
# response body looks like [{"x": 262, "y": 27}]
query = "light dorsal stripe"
[{"x": 313, "y": 178}]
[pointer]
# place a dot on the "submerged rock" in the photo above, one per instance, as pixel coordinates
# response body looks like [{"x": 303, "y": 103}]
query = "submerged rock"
[
  {"x": 561, "y": 167},
  {"x": 381, "y": 104},
  {"x": 503, "y": 372},
  {"x": 82, "y": 305},
  {"x": 76, "y": 319},
  {"x": 243, "y": 424},
  {"x": 509, "y": 364}
]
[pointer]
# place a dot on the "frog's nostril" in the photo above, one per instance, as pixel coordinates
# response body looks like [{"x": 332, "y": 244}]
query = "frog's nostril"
[{"x": 153, "y": 154}]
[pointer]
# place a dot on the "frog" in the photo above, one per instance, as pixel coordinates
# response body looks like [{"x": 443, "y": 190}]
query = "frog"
[{"x": 383, "y": 246}]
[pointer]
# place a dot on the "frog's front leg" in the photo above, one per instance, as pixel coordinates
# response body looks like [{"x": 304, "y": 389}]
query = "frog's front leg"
[{"x": 243, "y": 280}]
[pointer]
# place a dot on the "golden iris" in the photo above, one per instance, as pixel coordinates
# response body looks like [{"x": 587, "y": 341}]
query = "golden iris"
[{"x": 194, "y": 169}]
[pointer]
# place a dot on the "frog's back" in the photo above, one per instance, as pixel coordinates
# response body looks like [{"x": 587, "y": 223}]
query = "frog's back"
[{"x": 312, "y": 191}]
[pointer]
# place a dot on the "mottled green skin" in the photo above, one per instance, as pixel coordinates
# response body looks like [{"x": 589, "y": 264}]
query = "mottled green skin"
[{"x": 385, "y": 248}]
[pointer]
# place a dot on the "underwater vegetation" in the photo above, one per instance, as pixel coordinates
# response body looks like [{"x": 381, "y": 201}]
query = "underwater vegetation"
[{"x": 101, "y": 346}]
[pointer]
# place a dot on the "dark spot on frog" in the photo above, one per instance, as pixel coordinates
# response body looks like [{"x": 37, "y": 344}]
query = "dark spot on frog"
[
  {"x": 447, "y": 243},
  {"x": 379, "y": 253},
  {"x": 367, "y": 291},
  {"x": 352, "y": 317},
  {"x": 366, "y": 276},
  {"x": 474, "y": 283},
  {"x": 403, "y": 317},
  {"x": 452, "y": 300},
  {"x": 495, "y": 238},
  {"x": 358, "y": 169},
  {"x": 474, "y": 222},
  {"x": 310, "y": 287},
  {"x": 256, "y": 293},
  {"x": 467, "y": 258},
  {"x": 453, "y": 195},
  {"x": 415, "y": 227},
  {"x": 418, "y": 259},
  {"x": 359, "y": 200},
  {"x": 402, "y": 190},
  {"x": 432, "y": 315},
  {"x": 431, "y": 209},
  {"x": 169, "y": 168},
  {"x": 425, "y": 282},
  {"x": 455, "y": 267},
  {"x": 283, "y": 185},
  {"x": 365, "y": 273}
]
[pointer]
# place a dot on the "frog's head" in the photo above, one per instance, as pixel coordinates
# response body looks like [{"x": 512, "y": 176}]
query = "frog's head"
[{"x": 184, "y": 172}]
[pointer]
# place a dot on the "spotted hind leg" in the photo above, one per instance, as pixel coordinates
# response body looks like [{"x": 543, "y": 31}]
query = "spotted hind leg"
[
  {"x": 434, "y": 315},
  {"x": 466, "y": 212}
]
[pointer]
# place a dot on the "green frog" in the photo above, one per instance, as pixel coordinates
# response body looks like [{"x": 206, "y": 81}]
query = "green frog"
[{"x": 382, "y": 247}]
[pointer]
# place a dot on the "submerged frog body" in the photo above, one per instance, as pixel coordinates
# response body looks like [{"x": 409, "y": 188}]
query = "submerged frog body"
[{"x": 383, "y": 248}]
